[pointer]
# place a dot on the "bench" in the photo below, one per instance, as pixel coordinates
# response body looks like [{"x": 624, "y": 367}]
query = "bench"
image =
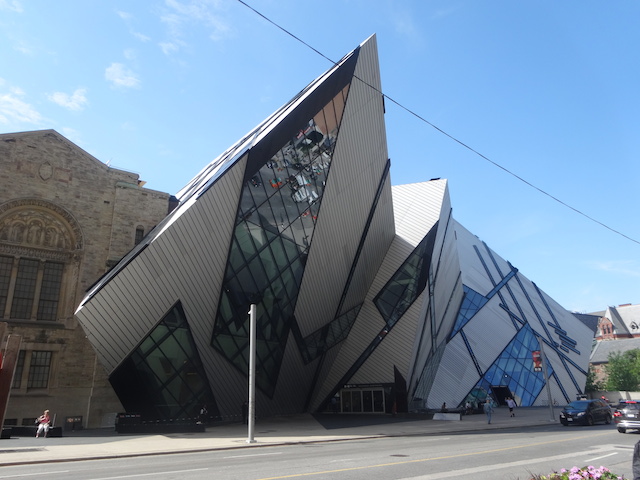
[{"x": 447, "y": 416}]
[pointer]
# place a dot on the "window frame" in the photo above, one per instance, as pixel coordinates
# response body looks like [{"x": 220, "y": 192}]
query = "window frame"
[{"x": 46, "y": 287}]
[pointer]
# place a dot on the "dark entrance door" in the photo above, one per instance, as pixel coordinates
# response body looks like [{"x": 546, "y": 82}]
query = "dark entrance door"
[{"x": 500, "y": 393}]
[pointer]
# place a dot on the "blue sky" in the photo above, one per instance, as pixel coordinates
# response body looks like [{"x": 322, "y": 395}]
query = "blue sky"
[{"x": 548, "y": 90}]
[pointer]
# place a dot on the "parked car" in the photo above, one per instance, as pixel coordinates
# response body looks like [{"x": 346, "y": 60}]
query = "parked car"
[
  {"x": 627, "y": 415},
  {"x": 586, "y": 412}
]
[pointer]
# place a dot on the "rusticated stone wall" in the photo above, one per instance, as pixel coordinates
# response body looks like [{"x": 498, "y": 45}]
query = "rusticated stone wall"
[{"x": 60, "y": 204}]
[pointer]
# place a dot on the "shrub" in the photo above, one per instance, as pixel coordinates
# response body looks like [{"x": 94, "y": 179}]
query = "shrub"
[{"x": 583, "y": 473}]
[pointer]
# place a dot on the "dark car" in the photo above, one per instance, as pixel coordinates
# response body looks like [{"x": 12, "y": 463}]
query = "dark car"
[
  {"x": 627, "y": 415},
  {"x": 586, "y": 412}
]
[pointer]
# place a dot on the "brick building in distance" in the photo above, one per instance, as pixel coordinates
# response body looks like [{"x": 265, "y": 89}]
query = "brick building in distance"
[
  {"x": 619, "y": 322},
  {"x": 618, "y": 331},
  {"x": 65, "y": 219}
]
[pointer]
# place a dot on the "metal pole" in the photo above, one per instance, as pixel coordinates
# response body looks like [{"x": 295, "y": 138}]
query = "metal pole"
[
  {"x": 252, "y": 374},
  {"x": 546, "y": 380},
  {"x": 93, "y": 382},
  {"x": 8, "y": 362}
]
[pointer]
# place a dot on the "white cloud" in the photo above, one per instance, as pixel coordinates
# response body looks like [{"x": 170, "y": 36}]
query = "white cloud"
[
  {"x": 76, "y": 101},
  {"x": 23, "y": 48},
  {"x": 15, "y": 110},
  {"x": 130, "y": 54},
  {"x": 168, "y": 47},
  {"x": 120, "y": 76},
  {"x": 11, "y": 5},
  {"x": 128, "y": 18},
  {"x": 123, "y": 15},
  {"x": 180, "y": 14},
  {"x": 140, "y": 36},
  {"x": 72, "y": 134},
  {"x": 618, "y": 267}
]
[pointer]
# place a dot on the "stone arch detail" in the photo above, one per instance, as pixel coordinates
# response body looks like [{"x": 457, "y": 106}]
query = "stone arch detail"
[{"x": 38, "y": 223}]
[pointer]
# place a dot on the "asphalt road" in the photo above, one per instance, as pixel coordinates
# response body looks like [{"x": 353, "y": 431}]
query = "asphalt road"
[{"x": 511, "y": 454}]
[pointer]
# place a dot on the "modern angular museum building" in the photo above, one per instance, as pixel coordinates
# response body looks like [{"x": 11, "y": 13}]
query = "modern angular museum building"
[{"x": 370, "y": 298}]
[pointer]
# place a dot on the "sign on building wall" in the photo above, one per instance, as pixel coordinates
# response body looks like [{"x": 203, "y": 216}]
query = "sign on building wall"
[{"x": 537, "y": 361}]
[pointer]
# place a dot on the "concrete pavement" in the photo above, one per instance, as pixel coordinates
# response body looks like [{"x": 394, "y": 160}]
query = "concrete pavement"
[{"x": 286, "y": 430}]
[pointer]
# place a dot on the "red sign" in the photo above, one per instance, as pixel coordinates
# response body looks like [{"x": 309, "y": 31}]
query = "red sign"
[{"x": 537, "y": 361}]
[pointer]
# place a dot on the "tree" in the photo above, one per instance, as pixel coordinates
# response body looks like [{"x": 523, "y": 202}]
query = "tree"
[
  {"x": 593, "y": 385},
  {"x": 623, "y": 370}
]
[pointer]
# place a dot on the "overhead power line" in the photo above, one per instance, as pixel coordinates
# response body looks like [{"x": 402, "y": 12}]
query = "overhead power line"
[{"x": 459, "y": 142}]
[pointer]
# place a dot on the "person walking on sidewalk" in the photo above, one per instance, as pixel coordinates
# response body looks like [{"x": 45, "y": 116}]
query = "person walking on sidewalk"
[
  {"x": 511, "y": 404},
  {"x": 43, "y": 424},
  {"x": 488, "y": 409}
]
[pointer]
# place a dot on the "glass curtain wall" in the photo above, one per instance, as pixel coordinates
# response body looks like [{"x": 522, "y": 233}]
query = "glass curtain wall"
[
  {"x": 163, "y": 378},
  {"x": 274, "y": 228},
  {"x": 408, "y": 282},
  {"x": 513, "y": 369}
]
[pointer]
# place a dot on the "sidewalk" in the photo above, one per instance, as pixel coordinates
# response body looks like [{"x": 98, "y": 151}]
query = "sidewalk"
[{"x": 294, "y": 429}]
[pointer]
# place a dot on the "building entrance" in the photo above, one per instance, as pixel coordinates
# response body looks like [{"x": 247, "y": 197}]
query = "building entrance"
[
  {"x": 362, "y": 400},
  {"x": 500, "y": 393}
]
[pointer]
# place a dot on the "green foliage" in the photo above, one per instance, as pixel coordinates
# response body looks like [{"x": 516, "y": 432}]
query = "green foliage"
[
  {"x": 592, "y": 384},
  {"x": 623, "y": 370}
]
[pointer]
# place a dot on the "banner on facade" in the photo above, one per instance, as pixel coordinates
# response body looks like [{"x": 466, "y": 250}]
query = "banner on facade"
[{"x": 537, "y": 361}]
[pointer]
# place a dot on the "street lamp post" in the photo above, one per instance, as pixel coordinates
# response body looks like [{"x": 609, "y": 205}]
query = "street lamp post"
[
  {"x": 252, "y": 374},
  {"x": 546, "y": 379}
]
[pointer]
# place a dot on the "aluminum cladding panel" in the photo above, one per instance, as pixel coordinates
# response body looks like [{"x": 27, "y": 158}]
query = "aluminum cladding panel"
[
  {"x": 368, "y": 323},
  {"x": 418, "y": 206},
  {"x": 358, "y": 167},
  {"x": 185, "y": 262},
  {"x": 394, "y": 350},
  {"x": 376, "y": 245},
  {"x": 456, "y": 376}
]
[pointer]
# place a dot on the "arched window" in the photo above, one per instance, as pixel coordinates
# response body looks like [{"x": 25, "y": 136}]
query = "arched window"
[{"x": 38, "y": 246}]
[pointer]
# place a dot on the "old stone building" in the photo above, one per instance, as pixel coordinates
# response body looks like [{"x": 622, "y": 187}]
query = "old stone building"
[{"x": 65, "y": 219}]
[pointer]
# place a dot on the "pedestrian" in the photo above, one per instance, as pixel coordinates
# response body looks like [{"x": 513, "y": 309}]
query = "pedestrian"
[
  {"x": 488, "y": 409},
  {"x": 468, "y": 408},
  {"x": 202, "y": 416},
  {"x": 43, "y": 422},
  {"x": 636, "y": 462},
  {"x": 444, "y": 408},
  {"x": 511, "y": 404}
]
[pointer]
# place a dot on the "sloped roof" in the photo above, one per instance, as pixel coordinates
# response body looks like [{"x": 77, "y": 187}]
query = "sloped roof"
[
  {"x": 590, "y": 320},
  {"x": 602, "y": 350},
  {"x": 625, "y": 318}
]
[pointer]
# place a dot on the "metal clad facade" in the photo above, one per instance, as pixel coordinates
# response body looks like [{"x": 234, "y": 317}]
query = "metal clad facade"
[
  {"x": 356, "y": 170},
  {"x": 367, "y": 242}
]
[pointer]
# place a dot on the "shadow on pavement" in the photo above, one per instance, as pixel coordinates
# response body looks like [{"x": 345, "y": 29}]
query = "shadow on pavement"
[{"x": 332, "y": 421}]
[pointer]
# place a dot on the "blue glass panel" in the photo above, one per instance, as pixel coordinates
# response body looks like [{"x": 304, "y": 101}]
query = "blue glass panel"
[
  {"x": 514, "y": 368},
  {"x": 471, "y": 304}
]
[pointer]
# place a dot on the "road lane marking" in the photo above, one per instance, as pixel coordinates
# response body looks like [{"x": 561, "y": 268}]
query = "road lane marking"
[
  {"x": 490, "y": 468},
  {"x": 445, "y": 457},
  {"x": 254, "y": 455},
  {"x": 33, "y": 474},
  {"x": 150, "y": 474},
  {"x": 603, "y": 456}
]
